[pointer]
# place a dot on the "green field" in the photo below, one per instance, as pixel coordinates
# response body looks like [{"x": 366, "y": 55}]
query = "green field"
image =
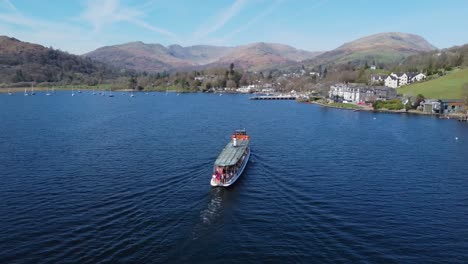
[
  {"x": 449, "y": 86},
  {"x": 345, "y": 105}
]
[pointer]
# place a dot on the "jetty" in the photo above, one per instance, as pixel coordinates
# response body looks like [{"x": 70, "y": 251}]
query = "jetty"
[{"x": 273, "y": 97}]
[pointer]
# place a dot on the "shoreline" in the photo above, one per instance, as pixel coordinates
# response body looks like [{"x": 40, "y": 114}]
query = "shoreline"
[{"x": 411, "y": 112}]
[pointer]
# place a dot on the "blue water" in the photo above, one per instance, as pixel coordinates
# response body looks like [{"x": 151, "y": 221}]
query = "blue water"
[{"x": 89, "y": 179}]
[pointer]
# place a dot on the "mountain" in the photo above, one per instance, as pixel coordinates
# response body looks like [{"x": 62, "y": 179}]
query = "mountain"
[
  {"x": 155, "y": 57},
  {"x": 27, "y": 62},
  {"x": 381, "y": 48},
  {"x": 261, "y": 55}
]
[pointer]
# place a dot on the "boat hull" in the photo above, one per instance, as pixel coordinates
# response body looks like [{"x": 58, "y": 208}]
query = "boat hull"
[{"x": 215, "y": 183}]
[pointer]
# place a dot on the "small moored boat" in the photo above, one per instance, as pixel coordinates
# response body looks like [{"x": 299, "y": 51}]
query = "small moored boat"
[{"x": 232, "y": 161}]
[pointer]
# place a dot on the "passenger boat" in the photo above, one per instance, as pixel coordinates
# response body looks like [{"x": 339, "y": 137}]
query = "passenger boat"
[{"x": 232, "y": 161}]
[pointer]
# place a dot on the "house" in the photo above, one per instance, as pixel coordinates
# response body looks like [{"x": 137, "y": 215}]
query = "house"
[
  {"x": 248, "y": 89},
  {"x": 373, "y": 67},
  {"x": 449, "y": 106},
  {"x": 392, "y": 81},
  {"x": 359, "y": 93},
  {"x": 430, "y": 106},
  {"x": 403, "y": 79},
  {"x": 378, "y": 78},
  {"x": 396, "y": 80},
  {"x": 417, "y": 77},
  {"x": 317, "y": 74}
]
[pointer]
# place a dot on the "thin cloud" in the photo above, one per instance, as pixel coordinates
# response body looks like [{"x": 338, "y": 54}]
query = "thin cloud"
[
  {"x": 145, "y": 25},
  {"x": 220, "y": 19},
  {"x": 254, "y": 20},
  {"x": 10, "y": 5},
  {"x": 107, "y": 12}
]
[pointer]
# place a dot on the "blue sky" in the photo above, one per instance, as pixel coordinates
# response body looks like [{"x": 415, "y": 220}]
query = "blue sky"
[{"x": 79, "y": 26}]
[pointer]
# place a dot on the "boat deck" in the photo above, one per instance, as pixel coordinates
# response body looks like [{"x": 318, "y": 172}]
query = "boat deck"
[{"x": 230, "y": 154}]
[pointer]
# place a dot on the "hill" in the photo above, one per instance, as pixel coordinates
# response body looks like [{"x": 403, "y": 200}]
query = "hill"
[
  {"x": 449, "y": 86},
  {"x": 27, "y": 62},
  {"x": 263, "y": 55},
  {"x": 379, "y": 48},
  {"x": 156, "y": 58}
]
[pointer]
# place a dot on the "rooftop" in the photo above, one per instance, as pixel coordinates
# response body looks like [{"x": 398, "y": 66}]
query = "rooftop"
[{"x": 230, "y": 154}]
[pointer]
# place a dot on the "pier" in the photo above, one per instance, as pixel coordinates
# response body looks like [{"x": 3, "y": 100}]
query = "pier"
[{"x": 273, "y": 97}]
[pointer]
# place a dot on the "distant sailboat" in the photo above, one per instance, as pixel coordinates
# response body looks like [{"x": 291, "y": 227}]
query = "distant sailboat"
[
  {"x": 32, "y": 89},
  {"x": 25, "y": 92},
  {"x": 110, "y": 93},
  {"x": 9, "y": 93},
  {"x": 73, "y": 93},
  {"x": 47, "y": 92}
]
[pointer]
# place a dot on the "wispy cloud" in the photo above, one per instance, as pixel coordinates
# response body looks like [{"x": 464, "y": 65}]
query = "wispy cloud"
[
  {"x": 9, "y": 5},
  {"x": 266, "y": 11},
  {"x": 107, "y": 12},
  {"x": 74, "y": 34},
  {"x": 219, "y": 20}
]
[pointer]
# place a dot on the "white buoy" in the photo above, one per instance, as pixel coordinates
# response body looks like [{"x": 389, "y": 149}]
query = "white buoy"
[
  {"x": 456, "y": 138},
  {"x": 375, "y": 118}
]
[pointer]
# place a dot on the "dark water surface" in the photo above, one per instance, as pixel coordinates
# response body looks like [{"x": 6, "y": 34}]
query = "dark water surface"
[{"x": 90, "y": 179}]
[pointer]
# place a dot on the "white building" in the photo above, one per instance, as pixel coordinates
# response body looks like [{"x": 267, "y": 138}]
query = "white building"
[
  {"x": 248, "y": 89},
  {"x": 392, "y": 81},
  {"x": 359, "y": 93},
  {"x": 397, "y": 80},
  {"x": 418, "y": 77}
]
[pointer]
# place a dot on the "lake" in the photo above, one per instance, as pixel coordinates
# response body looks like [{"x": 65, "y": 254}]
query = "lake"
[{"x": 89, "y": 179}]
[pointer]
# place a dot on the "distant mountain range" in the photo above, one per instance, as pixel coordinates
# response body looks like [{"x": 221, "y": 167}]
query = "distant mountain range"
[
  {"x": 382, "y": 48},
  {"x": 156, "y": 57},
  {"x": 22, "y": 61}
]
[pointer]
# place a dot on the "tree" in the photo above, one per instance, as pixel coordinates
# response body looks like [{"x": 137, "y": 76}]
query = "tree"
[
  {"x": 459, "y": 60},
  {"x": 231, "y": 84},
  {"x": 208, "y": 86},
  {"x": 419, "y": 98},
  {"x": 408, "y": 105},
  {"x": 19, "y": 76},
  {"x": 362, "y": 76},
  {"x": 325, "y": 72},
  {"x": 231, "y": 68},
  {"x": 132, "y": 83}
]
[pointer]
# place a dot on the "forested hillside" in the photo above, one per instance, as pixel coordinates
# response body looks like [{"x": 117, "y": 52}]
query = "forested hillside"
[{"x": 27, "y": 62}]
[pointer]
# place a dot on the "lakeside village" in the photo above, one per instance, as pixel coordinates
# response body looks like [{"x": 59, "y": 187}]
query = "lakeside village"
[{"x": 361, "y": 97}]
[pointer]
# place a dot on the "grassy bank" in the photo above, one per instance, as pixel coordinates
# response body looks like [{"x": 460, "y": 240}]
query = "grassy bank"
[
  {"x": 449, "y": 86},
  {"x": 345, "y": 105}
]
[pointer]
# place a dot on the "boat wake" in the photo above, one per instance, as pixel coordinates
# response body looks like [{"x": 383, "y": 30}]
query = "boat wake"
[{"x": 210, "y": 215}]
